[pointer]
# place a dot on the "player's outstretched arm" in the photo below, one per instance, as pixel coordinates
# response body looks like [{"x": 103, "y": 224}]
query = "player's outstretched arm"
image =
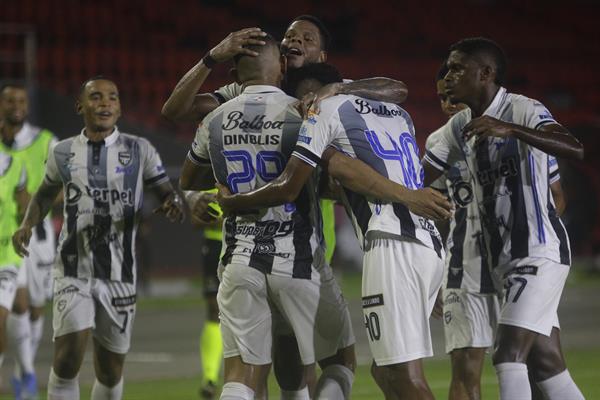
[
  {"x": 381, "y": 89},
  {"x": 361, "y": 178},
  {"x": 283, "y": 189},
  {"x": 184, "y": 103},
  {"x": 553, "y": 139},
  {"x": 37, "y": 209},
  {"x": 171, "y": 204}
]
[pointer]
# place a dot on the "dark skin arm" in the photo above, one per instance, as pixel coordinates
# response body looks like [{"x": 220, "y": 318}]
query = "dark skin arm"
[
  {"x": 196, "y": 177},
  {"x": 552, "y": 139},
  {"x": 171, "y": 205},
  {"x": 37, "y": 209},
  {"x": 381, "y": 89},
  {"x": 184, "y": 103},
  {"x": 22, "y": 198}
]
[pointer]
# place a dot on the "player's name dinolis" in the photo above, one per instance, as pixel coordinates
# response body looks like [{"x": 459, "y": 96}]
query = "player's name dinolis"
[
  {"x": 250, "y": 139},
  {"x": 235, "y": 120}
]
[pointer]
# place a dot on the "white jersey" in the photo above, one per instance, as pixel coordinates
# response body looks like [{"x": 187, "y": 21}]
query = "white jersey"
[
  {"x": 103, "y": 186},
  {"x": 248, "y": 141},
  {"x": 504, "y": 186},
  {"x": 381, "y": 135}
]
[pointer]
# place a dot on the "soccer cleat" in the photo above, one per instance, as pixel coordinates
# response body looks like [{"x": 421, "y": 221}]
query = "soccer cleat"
[
  {"x": 17, "y": 386},
  {"x": 208, "y": 391},
  {"x": 29, "y": 387}
]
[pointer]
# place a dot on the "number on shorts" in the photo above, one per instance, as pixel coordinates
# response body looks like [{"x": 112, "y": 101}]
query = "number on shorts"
[
  {"x": 510, "y": 283},
  {"x": 372, "y": 325},
  {"x": 125, "y": 315}
]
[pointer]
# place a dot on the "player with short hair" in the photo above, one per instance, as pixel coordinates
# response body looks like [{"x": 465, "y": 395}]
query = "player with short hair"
[
  {"x": 31, "y": 144},
  {"x": 398, "y": 294},
  {"x": 13, "y": 202},
  {"x": 504, "y": 142},
  {"x": 102, "y": 172}
]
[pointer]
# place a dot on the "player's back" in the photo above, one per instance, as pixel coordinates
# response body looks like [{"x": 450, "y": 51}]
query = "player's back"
[
  {"x": 250, "y": 140},
  {"x": 382, "y": 135}
]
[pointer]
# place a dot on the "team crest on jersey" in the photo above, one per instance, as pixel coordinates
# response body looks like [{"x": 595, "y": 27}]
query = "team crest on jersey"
[
  {"x": 447, "y": 317},
  {"x": 124, "y": 158}
]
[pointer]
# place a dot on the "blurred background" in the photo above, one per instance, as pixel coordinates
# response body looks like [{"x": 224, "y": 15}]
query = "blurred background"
[{"x": 145, "y": 46}]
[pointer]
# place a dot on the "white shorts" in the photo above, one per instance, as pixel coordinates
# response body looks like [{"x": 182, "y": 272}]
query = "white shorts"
[
  {"x": 250, "y": 301},
  {"x": 470, "y": 319},
  {"x": 11, "y": 278},
  {"x": 108, "y": 307},
  {"x": 532, "y": 290},
  {"x": 39, "y": 268},
  {"x": 401, "y": 279}
]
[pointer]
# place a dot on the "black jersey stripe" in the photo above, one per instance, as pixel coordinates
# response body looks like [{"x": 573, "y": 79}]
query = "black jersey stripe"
[
  {"x": 130, "y": 182},
  {"x": 520, "y": 225},
  {"x": 455, "y": 265},
  {"x": 565, "y": 253},
  {"x": 98, "y": 235},
  {"x": 303, "y": 231},
  {"x": 69, "y": 254}
]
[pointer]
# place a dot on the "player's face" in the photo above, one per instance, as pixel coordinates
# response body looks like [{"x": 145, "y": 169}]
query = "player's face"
[
  {"x": 447, "y": 107},
  {"x": 302, "y": 44},
  {"x": 463, "y": 80},
  {"x": 14, "y": 105},
  {"x": 100, "y": 105}
]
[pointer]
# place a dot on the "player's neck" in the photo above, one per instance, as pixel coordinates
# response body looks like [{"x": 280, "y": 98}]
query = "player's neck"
[
  {"x": 263, "y": 81},
  {"x": 9, "y": 132},
  {"x": 483, "y": 102},
  {"x": 97, "y": 135}
]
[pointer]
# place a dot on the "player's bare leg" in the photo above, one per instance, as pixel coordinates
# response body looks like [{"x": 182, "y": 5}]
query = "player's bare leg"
[
  {"x": 292, "y": 377},
  {"x": 69, "y": 350},
  {"x": 405, "y": 381},
  {"x": 240, "y": 376},
  {"x": 379, "y": 375},
  {"x": 467, "y": 364},
  {"x": 108, "y": 366}
]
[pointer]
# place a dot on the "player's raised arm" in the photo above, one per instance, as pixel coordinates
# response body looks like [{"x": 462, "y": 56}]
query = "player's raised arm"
[
  {"x": 283, "y": 189},
  {"x": 38, "y": 207},
  {"x": 361, "y": 178},
  {"x": 184, "y": 103}
]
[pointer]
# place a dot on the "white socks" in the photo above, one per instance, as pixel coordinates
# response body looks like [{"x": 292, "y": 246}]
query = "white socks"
[
  {"x": 560, "y": 387},
  {"x": 335, "y": 383},
  {"x": 62, "y": 389},
  {"x": 301, "y": 394},
  {"x": 19, "y": 333},
  {"x": 102, "y": 392},
  {"x": 513, "y": 380},
  {"x": 236, "y": 391}
]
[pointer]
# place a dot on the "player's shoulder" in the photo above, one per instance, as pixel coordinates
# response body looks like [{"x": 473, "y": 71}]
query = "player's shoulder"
[
  {"x": 130, "y": 140},
  {"x": 434, "y": 137},
  {"x": 521, "y": 100},
  {"x": 459, "y": 120}
]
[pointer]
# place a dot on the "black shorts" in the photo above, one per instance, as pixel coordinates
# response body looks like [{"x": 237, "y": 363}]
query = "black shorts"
[{"x": 211, "y": 251}]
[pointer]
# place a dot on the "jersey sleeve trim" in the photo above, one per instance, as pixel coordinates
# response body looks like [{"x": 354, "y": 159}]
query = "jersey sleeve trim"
[
  {"x": 306, "y": 155},
  {"x": 544, "y": 122},
  {"x": 219, "y": 97},
  {"x": 436, "y": 162},
  {"x": 193, "y": 157},
  {"x": 554, "y": 176},
  {"x": 156, "y": 180}
]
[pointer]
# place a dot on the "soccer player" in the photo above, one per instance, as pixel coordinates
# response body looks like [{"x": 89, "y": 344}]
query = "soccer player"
[
  {"x": 506, "y": 141},
  {"x": 272, "y": 256},
  {"x": 402, "y": 267},
  {"x": 31, "y": 144},
  {"x": 13, "y": 202},
  {"x": 102, "y": 172}
]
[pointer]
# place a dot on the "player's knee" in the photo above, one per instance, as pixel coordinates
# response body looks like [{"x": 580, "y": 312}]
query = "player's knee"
[
  {"x": 546, "y": 365},
  {"x": 467, "y": 365},
  {"x": 110, "y": 374},
  {"x": 345, "y": 357},
  {"x": 509, "y": 354}
]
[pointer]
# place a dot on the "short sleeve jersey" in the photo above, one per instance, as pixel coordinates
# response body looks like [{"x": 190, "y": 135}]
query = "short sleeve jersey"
[
  {"x": 103, "y": 186},
  {"x": 382, "y": 135},
  {"x": 504, "y": 183},
  {"x": 248, "y": 141}
]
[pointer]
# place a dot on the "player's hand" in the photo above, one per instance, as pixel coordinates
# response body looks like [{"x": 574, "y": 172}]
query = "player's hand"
[
  {"x": 429, "y": 203},
  {"x": 438, "y": 308},
  {"x": 172, "y": 207},
  {"x": 486, "y": 126},
  {"x": 21, "y": 239},
  {"x": 311, "y": 101},
  {"x": 224, "y": 198},
  {"x": 234, "y": 44},
  {"x": 201, "y": 211}
]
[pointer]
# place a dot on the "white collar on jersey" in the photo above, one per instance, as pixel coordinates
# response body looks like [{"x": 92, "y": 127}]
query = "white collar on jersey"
[
  {"x": 110, "y": 139},
  {"x": 256, "y": 89},
  {"x": 25, "y": 136},
  {"x": 493, "y": 108}
]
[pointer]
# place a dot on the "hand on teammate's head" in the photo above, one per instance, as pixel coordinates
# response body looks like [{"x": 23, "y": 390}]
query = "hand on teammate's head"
[{"x": 235, "y": 43}]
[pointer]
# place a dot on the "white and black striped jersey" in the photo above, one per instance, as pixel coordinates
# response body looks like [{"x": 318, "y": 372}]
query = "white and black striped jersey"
[
  {"x": 248, "y": 141},
  {"x": 467, "y": 258},
  {"x": 382, "y": 135},
  {"x": 508, "y": 181},
  {"x": 103, "y": 186}
]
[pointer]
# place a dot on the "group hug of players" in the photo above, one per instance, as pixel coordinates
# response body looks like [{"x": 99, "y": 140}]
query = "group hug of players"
[{"x": 489, "y": 175}]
